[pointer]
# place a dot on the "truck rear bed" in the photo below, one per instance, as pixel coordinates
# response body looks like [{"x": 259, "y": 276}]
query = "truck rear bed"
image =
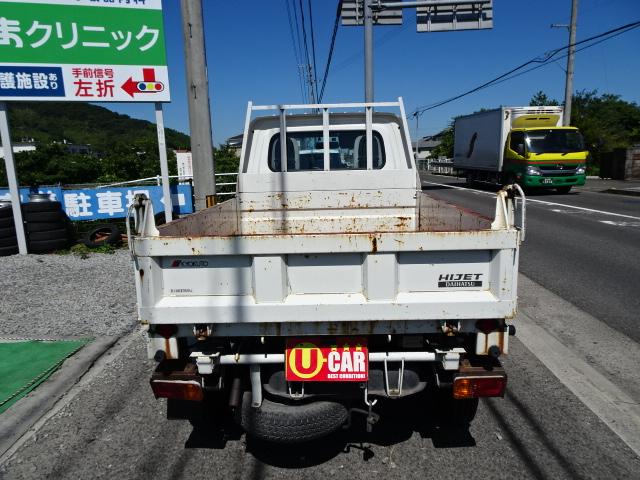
[{"x": 453, "y": 266}]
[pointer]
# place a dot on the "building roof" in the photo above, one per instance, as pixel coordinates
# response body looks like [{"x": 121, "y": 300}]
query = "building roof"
[{"x": 235, "y": 141}]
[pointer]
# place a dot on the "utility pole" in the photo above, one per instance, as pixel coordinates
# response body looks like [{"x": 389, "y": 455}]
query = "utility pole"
[
  {"x": 198, "y": 97},
  {"x": 368, "y": 51},
  {"x": 568, "y": 88}
]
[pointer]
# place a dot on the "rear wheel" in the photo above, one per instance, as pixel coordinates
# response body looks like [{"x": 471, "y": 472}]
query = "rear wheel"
[
  {"x": 470, "y": 179},
  {"x": 280, "y": 423}
]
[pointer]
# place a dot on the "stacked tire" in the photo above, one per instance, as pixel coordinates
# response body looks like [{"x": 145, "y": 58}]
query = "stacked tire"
[
  {"x": 8, "y": 240},
  {"x": 47, "y": 227}
]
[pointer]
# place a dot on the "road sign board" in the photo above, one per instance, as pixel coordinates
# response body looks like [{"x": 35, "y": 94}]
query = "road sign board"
[
  {"x": 352, "y": 14},
  {"x": 83, "y": 50},
  {"x": 463, "y": 16}
]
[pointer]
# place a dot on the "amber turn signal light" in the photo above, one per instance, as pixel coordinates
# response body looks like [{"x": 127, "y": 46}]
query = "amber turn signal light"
[
  {"x": 183, "y": 390},
  {"x": 481, "y": 386}
]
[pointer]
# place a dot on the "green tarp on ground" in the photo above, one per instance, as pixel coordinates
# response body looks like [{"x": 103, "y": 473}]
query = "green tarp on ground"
[{"x": 26, "y": 364}]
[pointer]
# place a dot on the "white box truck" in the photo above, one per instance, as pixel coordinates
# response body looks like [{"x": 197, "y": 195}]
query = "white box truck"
[{"x": 524, "y": 145}]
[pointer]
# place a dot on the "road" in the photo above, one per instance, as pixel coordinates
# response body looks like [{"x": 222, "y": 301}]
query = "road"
[{"x": 571, "y": 410}]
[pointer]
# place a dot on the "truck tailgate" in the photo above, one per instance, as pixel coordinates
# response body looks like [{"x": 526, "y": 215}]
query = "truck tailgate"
[{"x": 311, "y": 283}]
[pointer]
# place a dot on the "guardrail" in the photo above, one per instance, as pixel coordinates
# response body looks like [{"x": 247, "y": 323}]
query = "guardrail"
[
  {"x": 441, "y": 166},
  {"x": 158, "y": 181}
]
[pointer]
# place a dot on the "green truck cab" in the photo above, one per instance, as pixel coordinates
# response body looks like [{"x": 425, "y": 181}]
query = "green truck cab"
[{"x": 524, "y": 145}]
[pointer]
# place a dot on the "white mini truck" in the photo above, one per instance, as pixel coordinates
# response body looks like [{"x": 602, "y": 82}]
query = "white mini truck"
[{"x": 330, "y": 281}]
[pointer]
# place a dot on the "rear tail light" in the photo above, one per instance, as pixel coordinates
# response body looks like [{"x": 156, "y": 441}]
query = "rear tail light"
[
  {"x": 180, "y": 389},
  {"x": 481, "y": 386}
]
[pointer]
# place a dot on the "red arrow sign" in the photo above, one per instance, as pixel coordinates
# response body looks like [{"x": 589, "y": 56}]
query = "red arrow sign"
[{"x": 130, "y": 86}]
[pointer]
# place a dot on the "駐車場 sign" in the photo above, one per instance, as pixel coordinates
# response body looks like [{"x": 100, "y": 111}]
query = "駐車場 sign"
[{"x": 83, "y": 50}]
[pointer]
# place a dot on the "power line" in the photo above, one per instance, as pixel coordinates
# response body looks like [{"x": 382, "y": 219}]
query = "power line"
[
  {"x": 306, "y": 48},
  {"x": 562, "y": 56},
  {"x": 295, "y": 47},
  {"x": 299, "y": 34},
  {"x": 313, "y": 47},
  {"x": 542, "y": 61},
  {"x": 336, "y": 24}
]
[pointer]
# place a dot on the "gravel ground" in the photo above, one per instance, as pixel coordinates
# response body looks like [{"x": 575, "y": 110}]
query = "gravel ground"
[{"x": 66, "y": 295}]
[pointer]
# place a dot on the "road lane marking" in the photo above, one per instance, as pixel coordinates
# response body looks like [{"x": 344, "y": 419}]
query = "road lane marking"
[
  {"x": 618, "y": 410},
  {"x": 621, "y": 224},
  {"x": 533, "y": 200}
]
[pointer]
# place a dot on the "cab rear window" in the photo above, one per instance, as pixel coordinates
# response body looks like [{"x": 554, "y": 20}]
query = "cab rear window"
[{"x": 347, "y": 151}]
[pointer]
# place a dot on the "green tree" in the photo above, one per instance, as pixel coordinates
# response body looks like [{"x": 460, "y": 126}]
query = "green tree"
[
  {"x": 52, "y": 164},
  {"x": 540, "y": 99},
  {"x": 226, "y": 161},
  {"x": 445, "y": 149},
  {"x": 607, "y": 123}
]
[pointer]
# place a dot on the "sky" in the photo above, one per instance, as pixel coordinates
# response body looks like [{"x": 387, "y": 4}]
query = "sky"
[{"x": 251, "y": 57}]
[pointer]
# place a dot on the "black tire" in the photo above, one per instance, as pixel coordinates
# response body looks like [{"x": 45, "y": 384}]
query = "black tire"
[
  {"x": 8, "y": 232},
  {"x": 563, "y": 190},
  {"x": 59, "y": 234},
  {"x": 279, "y": 423},
  {"x": 46, "y": 246},
  {"x": 42, "y": 217},
  {"x": 6, "y": 211},
  {"x": 106, "y": 234},
  {"x": 6, "y": 222},
  {"x": 469, "y": 179},
  {"x": 8, "y": 241},
  {"x": 34, "y": 207},
  {"x": 45, "y": 226},
  {"x": 6, "y": 251}
]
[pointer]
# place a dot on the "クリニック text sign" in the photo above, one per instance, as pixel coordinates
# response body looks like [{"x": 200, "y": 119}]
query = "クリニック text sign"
[{"x": 83, "y": 50}]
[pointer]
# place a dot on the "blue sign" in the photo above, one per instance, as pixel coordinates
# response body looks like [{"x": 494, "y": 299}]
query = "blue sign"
[
  {"x": 31, "y": 81},
  {"x": 103, "y": 203}
]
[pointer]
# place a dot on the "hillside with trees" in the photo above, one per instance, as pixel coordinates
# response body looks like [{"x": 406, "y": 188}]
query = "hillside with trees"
[{"x": 122, "y": 148}]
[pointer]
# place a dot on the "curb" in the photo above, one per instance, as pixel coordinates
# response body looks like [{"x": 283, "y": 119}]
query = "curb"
[{"x": 18, "y": 419}]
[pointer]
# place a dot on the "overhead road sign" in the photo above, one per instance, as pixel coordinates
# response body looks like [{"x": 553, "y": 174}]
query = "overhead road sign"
[
  {"x": 451, "y": 16},
  {"x": 353, "y": 14},
  {"x": 431, "y": 15},
  {"x": 83, "y": 50}
]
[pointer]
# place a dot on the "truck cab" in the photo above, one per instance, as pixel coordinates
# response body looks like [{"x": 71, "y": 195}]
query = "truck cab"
[
  {"x": 539, "y": 153},
  {"x": 524, "y": 145}
]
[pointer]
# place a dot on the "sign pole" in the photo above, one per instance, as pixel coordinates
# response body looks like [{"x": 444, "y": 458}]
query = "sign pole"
[
  {"x": 164, "y": 166},
  {"x": 368, "y": 51},
  {"x": 12, "y": 178}
]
